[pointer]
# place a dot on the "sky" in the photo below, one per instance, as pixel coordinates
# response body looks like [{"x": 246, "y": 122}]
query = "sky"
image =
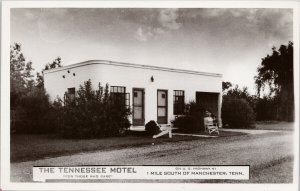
[{"x": 227, "y": 41}]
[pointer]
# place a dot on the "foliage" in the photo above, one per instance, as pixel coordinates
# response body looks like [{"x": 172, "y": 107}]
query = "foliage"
[
  {"x": 21, "y": 78},
  {"x": 93, "y": 113},
  {"x": 243, "y": 93},
  {"x": 226, "y": 86},
  {"x": 40, "y": 78},
  {"x": 276, "y": 73},
  {"x": 192, "y": 121},
  {"x": 237, "y": 113},
  {"x": 152, "y": 128},
  {"x": 185, "y": 124},
  {"x": 33, "y": 113},
  {"x": 55, "y": 64},
  {"x": 266, "y": 108}
]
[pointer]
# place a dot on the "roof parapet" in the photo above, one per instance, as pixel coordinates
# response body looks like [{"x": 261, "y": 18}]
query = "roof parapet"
[{"x": 107, "y": 62}]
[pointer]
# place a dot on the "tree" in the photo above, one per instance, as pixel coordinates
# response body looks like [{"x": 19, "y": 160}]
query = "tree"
[
  {"x": 40, "y": 78},
  {"x": 276, "y": 74},
  {"x": 31, "y": 111},
  {"x": 239, "y": 93},
  {"x": 55, "y": 64},
  {"x": 226, "y": 86},
  {"x": 21, "y": 77}
]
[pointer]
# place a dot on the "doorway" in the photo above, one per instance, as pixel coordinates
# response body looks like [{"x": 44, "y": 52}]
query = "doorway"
[
  {"x": 162, "y": 106},
  {"x": 209, "y": 101},
  {"x": 138, "y": 114}
]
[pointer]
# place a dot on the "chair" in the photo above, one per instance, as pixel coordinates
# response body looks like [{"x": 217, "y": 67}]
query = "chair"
[
  {"x": 164, "y": 130},
  {"x": 210, "y": 126}
]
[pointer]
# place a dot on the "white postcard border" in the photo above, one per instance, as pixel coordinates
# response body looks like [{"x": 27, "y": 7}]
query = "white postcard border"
[{"x": 5, "y": 89}]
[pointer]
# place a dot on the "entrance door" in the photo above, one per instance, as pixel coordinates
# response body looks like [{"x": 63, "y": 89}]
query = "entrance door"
[
  {"x": 162, "y": 106},
  {"x": 138, "y": 117}
]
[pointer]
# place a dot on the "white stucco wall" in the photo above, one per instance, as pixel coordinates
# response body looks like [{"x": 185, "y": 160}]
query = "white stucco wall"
[{"x": 133, "y": 77}]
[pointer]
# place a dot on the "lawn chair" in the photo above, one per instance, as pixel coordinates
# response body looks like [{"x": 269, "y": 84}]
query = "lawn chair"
[
  {"x": 210, "y": 126},
  {"x": 164, "y": 130}
]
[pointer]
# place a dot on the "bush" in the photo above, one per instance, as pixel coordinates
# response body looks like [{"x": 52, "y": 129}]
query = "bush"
[
  {"x": 237, "y": 113},
  {"x": 152, "y": 128},
  {"x": 192, "y": 121},
  {"x": 185, "y": 124},
  {"x": 33, "y": 113},
  {"x": 266, "y": 109},
  {"x": 93, "y": 114}
]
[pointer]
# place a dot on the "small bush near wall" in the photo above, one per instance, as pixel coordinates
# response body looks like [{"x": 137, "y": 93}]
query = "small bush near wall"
[
  {"x": 237, "y": 113},
  {"x": 93, "y": 114},
  {"x": 152, "y": 128},
  {"x": 192, "y": 121}
]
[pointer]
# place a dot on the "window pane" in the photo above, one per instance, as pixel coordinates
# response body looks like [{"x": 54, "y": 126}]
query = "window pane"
[
  {"x": 162, "y": 112},
  {"x": 137, "y": 112},
  {"x": 138, "y": 99},
  {"x": 175, "y": 109},
  {"x": 71, "y": 90},
  {"x": 161, "y": 100},
  {"x": 178, "y": 106},
  {"x": 117, "y": 89}
]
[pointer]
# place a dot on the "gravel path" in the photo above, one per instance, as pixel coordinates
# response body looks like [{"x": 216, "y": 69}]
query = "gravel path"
[
  {"x": 255, "y": 150},
  {"x": 250, "y": 131}
]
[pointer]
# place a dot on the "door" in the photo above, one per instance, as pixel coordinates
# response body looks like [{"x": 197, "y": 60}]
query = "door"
[
  {"x": 138, "y": 117},
  {"x": 162, "y": 106}
]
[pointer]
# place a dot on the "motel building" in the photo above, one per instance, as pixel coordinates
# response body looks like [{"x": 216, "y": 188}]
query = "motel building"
[{"x": 152, "y": 92}]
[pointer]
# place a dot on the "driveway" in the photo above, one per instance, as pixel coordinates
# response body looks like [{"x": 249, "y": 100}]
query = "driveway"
[
  {"x": 256, "y": 150},
  {"x": 250, "y": 131}
]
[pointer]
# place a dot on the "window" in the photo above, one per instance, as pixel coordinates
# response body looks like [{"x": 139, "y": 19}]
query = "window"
[
  {"x": 70, "y": 94},
  {"x": 178, "y": 102},
  {"x": 117, "y": 89},
  {"x": 119, "y": 95}
]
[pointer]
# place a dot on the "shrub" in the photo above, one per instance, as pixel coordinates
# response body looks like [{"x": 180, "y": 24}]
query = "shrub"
[
  {"x": 185, "y": 124},
  {"x": 93, "y": 114},
  {"x": 192, "y": 121},
  {"x": 267, "y": 108},
  {"x": 152, "y": 128},
  {"x": 33, "y": 113},
  {"x": 237, "y": 113}
]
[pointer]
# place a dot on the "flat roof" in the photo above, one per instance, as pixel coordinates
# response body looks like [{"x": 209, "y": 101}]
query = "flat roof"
[{"x": 107, "y": 62}]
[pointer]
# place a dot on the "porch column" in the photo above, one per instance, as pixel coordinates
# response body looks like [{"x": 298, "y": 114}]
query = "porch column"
[{"x": 219, "y": 109}]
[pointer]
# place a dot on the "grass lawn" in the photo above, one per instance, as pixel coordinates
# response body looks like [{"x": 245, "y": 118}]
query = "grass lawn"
[
  {"x": 275, "y": 125},
  {"x": 26, "y": 147}
]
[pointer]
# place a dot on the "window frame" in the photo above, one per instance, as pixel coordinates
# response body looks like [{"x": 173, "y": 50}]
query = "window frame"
[
  {"x": 120, "y": 90},
  {"x": 117, "y": 88},
  {"x": 71, "y": 95},
  {"x": 178, "y": 96}
]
